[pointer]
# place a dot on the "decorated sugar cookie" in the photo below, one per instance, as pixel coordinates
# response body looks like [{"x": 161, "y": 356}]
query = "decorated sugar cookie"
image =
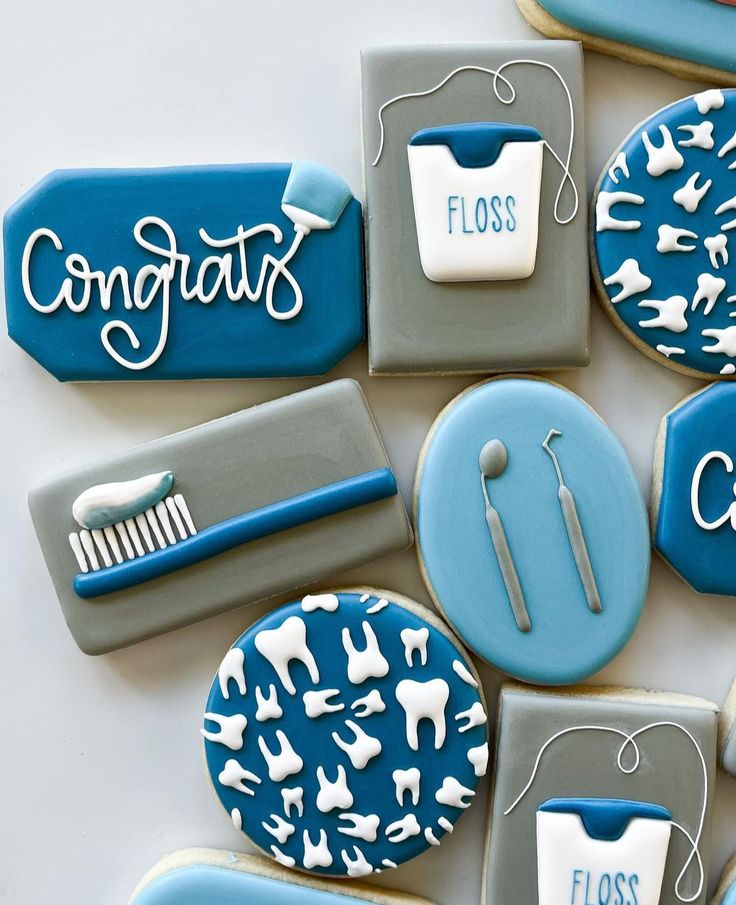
[
  {"x": 203, "y": 876},
  {"x": 727, "y": 732},
  {"x": 346, "y": 733},
  {"x": 663, "y": 246},
  {"x": 690, "y": 38},
  {"x": 250, "y": 270},
  {"x": 693, "y": 490},
  {"x": 227, "y": 513},
  {"x": 519, "y": 491},
  {"x": 601, "y": 795},
  {"x": 474, "y": 168}
]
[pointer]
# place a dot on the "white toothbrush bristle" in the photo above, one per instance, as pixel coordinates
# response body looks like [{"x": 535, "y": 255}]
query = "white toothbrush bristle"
[
  {"x": 123, "y": 534},
  {"x": 155, "y": 528},
  {"x": 163, "y": 516},
  {"x": 175, "y": 517},
  {"x": 140, "y": 520},
  {"x": 99, "y": 538},
  {"x": 181, "y": 505},
  {"x": 134, "y": 536},
  {"x": 78, "y": 551},
  {"x": 89, "y": 549},
  {"x": 112, "y": 540}
]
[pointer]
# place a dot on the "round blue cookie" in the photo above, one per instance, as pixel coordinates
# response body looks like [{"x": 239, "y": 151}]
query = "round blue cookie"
[
  {"x": 531, "y": 530},
  {"x": 346, "y": 733},
  {"x": 664, "y": 235}
]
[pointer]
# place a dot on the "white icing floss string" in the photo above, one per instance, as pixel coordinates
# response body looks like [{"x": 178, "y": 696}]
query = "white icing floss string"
[
  {"x": 507, "y": 101},
  {"x": 629, "y": 740}
]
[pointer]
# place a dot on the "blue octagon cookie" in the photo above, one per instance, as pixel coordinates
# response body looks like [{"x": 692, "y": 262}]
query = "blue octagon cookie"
[
  {"x": 664, "y": 235},
  {"x": 345, "y": 733},
  {"x": 531, "y": 530},
  {"x": 694, "y": 490}
]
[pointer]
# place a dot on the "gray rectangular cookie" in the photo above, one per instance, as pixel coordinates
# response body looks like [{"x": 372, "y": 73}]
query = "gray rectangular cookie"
[
  {"x": 417, "y": 326},
  {"x": 316, "y": 453},
  {"x": 564, "y": 744}
]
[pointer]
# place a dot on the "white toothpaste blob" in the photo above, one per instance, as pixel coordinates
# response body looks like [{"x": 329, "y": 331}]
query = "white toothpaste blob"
[{"x": 106, "y": 504}]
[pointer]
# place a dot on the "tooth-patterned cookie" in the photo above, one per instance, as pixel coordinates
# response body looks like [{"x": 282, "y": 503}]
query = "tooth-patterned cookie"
[
  {"x": 201, "y": 876},
  {"x": 378, "y": 742},
  {"x": 663, "y": 234}
]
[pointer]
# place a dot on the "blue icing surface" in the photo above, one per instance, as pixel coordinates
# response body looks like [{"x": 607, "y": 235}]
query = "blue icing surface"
[
  {"x": 475, "y": 144},
  {"x": 700, "y": 31},
  {"x": 676, "y": 273},
  {"x": 369, "y": 780},
  {"x": 704, "y": 558},
  {"x": 606, "y": 818},
  {"x": 93, "y": 214},
  {"x": 203, "y": 884},
  {"x": 567, "y": 640}
]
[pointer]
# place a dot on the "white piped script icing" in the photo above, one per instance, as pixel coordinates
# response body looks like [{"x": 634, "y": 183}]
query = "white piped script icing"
[
  {"x": 361, "y": 826},
  {"x": 285, "y": 762},
  {"x": 281, "y": 830},
  {"x": 730, "y": 514},
  {"x": 268, "y": 707},
  {"x": 663, "y": 158},
  {"x": 407, "y": 781},
  {"x": 286, "y": 643},
  {"x": 415, "y": 640},
  {"x": 631, "y": 280},
  {"x": 475, "y": 716},
  {"x": 367, "y": 663},
  {"x": 605, "y": 220},
  {"x": 701, "y": 136},
  {"x": 709, "y": 288},
  {"x": 293, "y": 798},
  {"x": 464, "y": 673},
  {"x": 690, "y": 196},
  {"x": 232, "y": 668},
  {"x": 368, "y": 705},
  {"x": 478, "y": 757},
  {"x": 712, "y": 99},
  {"x": 312, "y": 602},
  {"x": 316, "y": 855},
  {"x": 424, "y": 701},
  {"x": 671, "y": 313},
  {"x": 234, "y": 776},
  {"x": 669, "y": 239},
  {"x": 230, "y": 732},
  {"x": 453, "y": 793},
  {"x": 316, "y": 702},
  {"x": 402, "y": 829},
  {"x": 619, "y": 165},
  {"x": 362, "y": 750},
  {"x": 333, "y": 795}
]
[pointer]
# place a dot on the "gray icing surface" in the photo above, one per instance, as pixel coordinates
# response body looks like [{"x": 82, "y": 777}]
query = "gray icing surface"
[
  {"x": 418, "y": 326},
  {"x": 224, "y": 468},
  {"x": 583, "y": 764}
]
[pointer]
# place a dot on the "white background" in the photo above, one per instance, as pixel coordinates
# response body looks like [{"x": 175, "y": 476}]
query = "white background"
[{"x": 100, "y": 759}]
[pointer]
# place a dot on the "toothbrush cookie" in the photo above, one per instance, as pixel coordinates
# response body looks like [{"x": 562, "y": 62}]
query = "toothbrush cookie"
[
  {"x": 476, "y": 235},
  {"x": 663, "y": 227},
  {"x": 252, "y": 270},
  {"x": 346, "y": 733},
  {"x": 204, "y": 875},
  {"x": 693, "y": 506},
  {"x": 234, "y": 511},
  {"x": 689, "y": 38},
  {"x": 601, "y": 795},
  {"x": 520, "y": 489}
]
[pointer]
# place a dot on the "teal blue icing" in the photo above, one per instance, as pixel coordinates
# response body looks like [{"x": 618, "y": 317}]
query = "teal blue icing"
[
  {"x": 605, "y": 818},
  {"x": 200, "y": 884},
  {"x": 102, "y": 516},
  {"x": 475, "y": 144},
  {"x": 567, "y": 641},
  {"x": 700, "y": 31},
  {"x": 312, "y": 187}
]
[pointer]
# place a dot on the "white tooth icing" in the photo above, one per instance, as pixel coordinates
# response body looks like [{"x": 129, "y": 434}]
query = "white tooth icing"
[
  {"x": 407, "y": 781},
  {"x": 377, "y": 607},
  {"x": 293, "y": 798},
  {"x": 268, "y": 707},
  {"x": 286, "y": 643},
  {"x": 690, "y": 196},
  {"x": 668, "y": 351},
  {"x": 232, "y": 668},
  {"x": 370, "y": 704},
  {"x": 315, "y": 702},
  {"x": 365, "y": 597},
  {"x": 709, "y": 288},
  {"x": 424, "y": 700},
  {"x": 671, "y": 313},
  {"x": 363, "y": 749},
  {"x": 462, "y": 670},
  {"x": 664, "y": 158},
  {"x": 445, "y": 824},
  {"x": 234, "y": 777},
  {"x": 605, "y": 220},
  {"x": 313, "y": 602},
  {"x": 669, "y": 239},
  {"x": 387, "y": 862},
  {"x": 716, "y": 246},
  {"x": 230, "y": 732},
  {"x": 286, "y": 762},
  {"x": 105, "y": 504},
  {"x": 430, "y": 836},
  {"x": 453, "y": 793},
  {"x": 367, "y": 663},
  {"x": 701, "y": 136},
  {"x": 712, "y": 99},
  {"x": 281, "y": 858},
  {"x": 631, "y": 280},
  {"x": 316, "y": 855},
  {"x": 729, "y": 146},
  {"x": 402, "y": 829},
  {"x": 361, "y": 826},
  {"x": 478, "y": 757},
  {"x": 725, "y": 341},
  {"x": 619, "y": 165},
  {"x": 728, "y": 369},
  {"x": 356, "y": 866},
  {"x": 475, "y": 715},
  {"x": 237, "y": 818},
  {"x": 333, "y": 796},
  {"x": 415, "y": 640},
  {"x": 281, "y": 830}
]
